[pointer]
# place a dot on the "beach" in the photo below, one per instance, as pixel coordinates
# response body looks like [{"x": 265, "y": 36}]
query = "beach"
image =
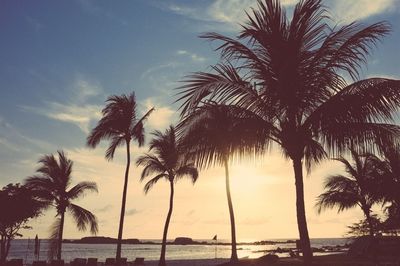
[{"x": 24, "y": 248}]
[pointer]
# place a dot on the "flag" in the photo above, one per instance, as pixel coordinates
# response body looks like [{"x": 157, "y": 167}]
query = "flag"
[{"x": 215, "y": 237}]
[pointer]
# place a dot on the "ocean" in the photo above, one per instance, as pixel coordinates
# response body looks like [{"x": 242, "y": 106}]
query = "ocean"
[{"x": 24, "y": 248}]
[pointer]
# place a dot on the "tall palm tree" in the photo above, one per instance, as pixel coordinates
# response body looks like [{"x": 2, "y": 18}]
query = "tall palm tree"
[
  {"x": 165, "y": 162},
  {"x": 291, "y": 74},
  {"x": 215, "y": 135},
  {"x": 120, "y": 125},
  {"x": 52, "y": 185},
  {"x": 356, "y": 189}
]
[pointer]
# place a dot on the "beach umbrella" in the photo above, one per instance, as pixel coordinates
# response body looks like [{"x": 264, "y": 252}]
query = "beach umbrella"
[{"x": 37, "y": 247}]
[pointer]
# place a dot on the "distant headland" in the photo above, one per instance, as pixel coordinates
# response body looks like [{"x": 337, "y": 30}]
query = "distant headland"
[{"x": 177, "y": 241}]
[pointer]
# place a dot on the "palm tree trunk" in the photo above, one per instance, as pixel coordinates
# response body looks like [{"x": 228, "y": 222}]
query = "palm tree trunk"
[
  {"x": 121, "y": 219},
  {"x": 301, "y": 212},
  {"x": 3, "y": 254},
  {"x": 60, "y": 235},
  {"x": 234, "y": 257},
  {"x": 369, "y": 220},
  {"x": 164, "y": 241}
]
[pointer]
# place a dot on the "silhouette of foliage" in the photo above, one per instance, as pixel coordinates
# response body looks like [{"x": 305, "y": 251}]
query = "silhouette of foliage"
[
  {"x": 356, "y": 189},
  {"x": 120, "y": 125},
  {"x": 52, "y": 184},
  {"x": 291, "y": 75},
  {"x": 217, "y": 135},
  {"x": 166, "y": 161},
  {"x": 363, "y": 227},
  {"x": 17, "y": 206}
]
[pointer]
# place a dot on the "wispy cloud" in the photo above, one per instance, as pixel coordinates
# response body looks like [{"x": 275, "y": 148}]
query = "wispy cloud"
[
  {"x": 229, "y": 14},
  {"x": 193, "y": 56},
  {"x": 81, "y": 116},
  {"x": 105, "y": 208},
  {"x": 158, "y": 68},
  {"x": 76, "y": 111},
  {"x": 162, "y": 116},
  {"x": 348, "y": 11},
  {"x": 93, "y": 7},
  {"x": 131, "y": 212}
]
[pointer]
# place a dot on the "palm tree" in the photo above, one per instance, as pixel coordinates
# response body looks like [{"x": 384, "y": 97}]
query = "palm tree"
[
  {"x": 166, "y": 162},
  {"x": 52, "y": 184},
  {"x": 215, "y": 135},
  {"x": 389, "y": 187},
  {"x": 291, "y": 74},
  {"x": 354, "y": 189},
  {"x": 120, "y": 125}
]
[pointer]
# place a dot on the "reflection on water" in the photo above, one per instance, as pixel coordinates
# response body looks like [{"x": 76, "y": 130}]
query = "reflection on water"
[{"x": 25, "y": 248}]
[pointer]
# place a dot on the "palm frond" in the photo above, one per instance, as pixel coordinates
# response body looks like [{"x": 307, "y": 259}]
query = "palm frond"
[
  {"x": 342, "y": 200},
  {"x": 137, "y": 131},
  {"x": 83, "y": 218},
  {"x": 154, "y": 181},
  {"x": 116, "y": 141},
  {"x": 188, "y": 170},
  {"x": 152, "y": 165},
  {"x": 80, "y": 189}
]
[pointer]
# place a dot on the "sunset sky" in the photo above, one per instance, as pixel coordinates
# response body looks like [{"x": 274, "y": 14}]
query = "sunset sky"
[{"x": 60, "y": 60}]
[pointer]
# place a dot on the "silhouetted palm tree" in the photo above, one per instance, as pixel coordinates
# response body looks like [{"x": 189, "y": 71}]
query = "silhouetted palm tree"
[
  {"x": 52, "y": 185},
  {"x": 354, "y": 189},
  {"x": 291, "y": 74},
  {"x": 165, "y": 162},
  {"x": 120, "y": 125},
  {"x": 389, "y": 187},
  {"x": 217, "y": 135}
]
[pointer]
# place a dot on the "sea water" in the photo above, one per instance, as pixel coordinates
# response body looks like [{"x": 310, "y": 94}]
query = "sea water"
[{"x": 24, "y": 248}]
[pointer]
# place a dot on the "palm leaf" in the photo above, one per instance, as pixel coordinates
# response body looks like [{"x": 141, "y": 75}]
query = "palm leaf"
[{"x": 83, "y": 218}]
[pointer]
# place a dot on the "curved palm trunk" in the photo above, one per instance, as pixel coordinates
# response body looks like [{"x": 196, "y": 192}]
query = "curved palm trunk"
[
  {"x": 164, "y": 241},
  {"x": 301, "y": 212},
  {"x": 234, "y": 257},
  {"x": 121, "y": 219},
  {"x": 60, "y": 236}
]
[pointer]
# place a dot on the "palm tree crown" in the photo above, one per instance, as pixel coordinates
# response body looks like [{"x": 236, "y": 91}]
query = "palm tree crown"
[
  {"x": 215, "y": 134},
  {"x": 167, "y": 161},
  {"x": 119, "y": 124},
  {"x": 291, "y": 75},
  {"x": 354, "y": 189},
  {"x": 52, "y": 184}
]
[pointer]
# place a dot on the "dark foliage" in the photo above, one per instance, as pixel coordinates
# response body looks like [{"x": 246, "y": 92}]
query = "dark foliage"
[
  {"x": 291, "y": 75},
  {"x": 17, "y": 205}
]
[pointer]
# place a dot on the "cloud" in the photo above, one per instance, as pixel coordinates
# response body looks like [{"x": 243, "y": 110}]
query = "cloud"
[
  {"x": 105, "y": 208},
  {"x": 83, "y": 89},
  {"x": 157, "y": 68},
  {"x": 162, "y": 116},
  {"x": 193, "y": 56},
  {"x": 131, "y": 212},
  {"x": 81, "y": 116},
  {"x": 93, "y": 7},
  {"x": 227, "y": 15},
  {"x": 76, "y": 111},
  {"x": 348, "y": 11}
]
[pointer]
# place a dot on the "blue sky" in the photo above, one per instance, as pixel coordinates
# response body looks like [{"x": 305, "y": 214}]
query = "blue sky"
[{"x": 59, "y": 60}]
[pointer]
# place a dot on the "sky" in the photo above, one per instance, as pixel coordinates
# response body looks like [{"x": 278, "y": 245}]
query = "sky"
[{"x": 60, "y": 60}]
